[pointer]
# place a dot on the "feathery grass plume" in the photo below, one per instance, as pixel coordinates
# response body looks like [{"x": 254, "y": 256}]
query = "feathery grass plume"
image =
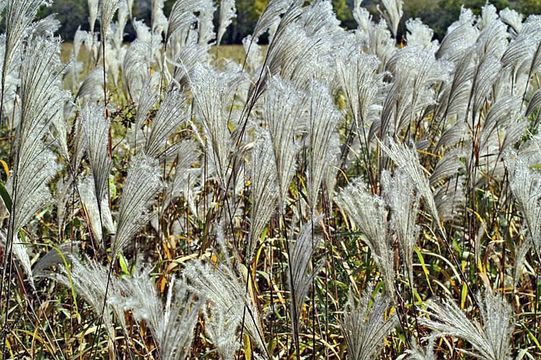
[
  {"x": 368, "y": 212},
  {"x": 360, "y": 14},
  {"x": 503, "y": 115},
  {"x": 107, "y": 10},
  {"x": 301, "y": 275},
  {"x": 181, "y": 18},
  {"x": 173, "y": 112},
  {"x": 93, "y": 9},
  {"x": 392, "y": 14},
  {"x": 376, "y": 38},
  {"x": 448, "y": 166},
  {"x": 148, "y": 97},
  {"x": 489, "y": 15},
  {"x": 188, "y": 153},
  {"x": 186, "y": 60},
  {"x": 19, "y": 250},
  {"x": 78, "y": 145},
  {"x": 113, "y": 61},
  {"x": 227, "y": 14},
  {"x": 212, "y": 92},
  {"x": 450, "y": 198},
  {"x": 320, "y": 21},
  {"x": 45, "y": 27},
  {"x": 58, "y": 255},
  {"x": 361, "y": 82},
  {"x": 419, "y": 34},
  {"x": 11, "y": 86},
  {"x": 460, "y": 37},
  {"x": 283, "y": 109},
  {"x": 136, "y": 67},
  {"x": 41, "y": 100},
  {"x": 523, "y": 51},
  {"x": 490, "y": 340},
  {"x": 141, "y": 186},
  {"x": 485, "y": 76},
  {"x": 18, "y": 17},
  {"x": 120, "y": 25},
  {"x": 418, "y": 353},
  {"x": 221, "y": 330},
  {"x": 535, "y": 104},
  {"x": 526, "y": 187},
  {"x": 271, "y": 16},
  {"x": 365, "y": 327},
  {"x": 493, "y": 39},
  {"x": 456, "y": 93},
  {"x": 158, "y": 18},
  {"x": 91, "y": 90},
  {"x": 513, "y": 19},
  {"x": 264, "y": 187},
  {"x": 412, "y": 91},
  {"x": 399, "y": 193},
  {"x": 205, "y": 22},
  {"x": 407, "y": 161},
  {"x": 225, "y": 293},
  {"x": 332, "y": 168},
  {"x": 171, "y": 324},
  {"x": 254, "y": 56},
  {"x": 99, "y": 215},
  {"x": 96, "y": 129},
  {"x": 297, "y": 52},
  {"x": 323, "y": 119},
  {"x": 91, "y": 281}
]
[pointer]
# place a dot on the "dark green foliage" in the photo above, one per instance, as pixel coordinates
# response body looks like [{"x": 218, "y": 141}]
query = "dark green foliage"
[{"x": 437, "y": 14}]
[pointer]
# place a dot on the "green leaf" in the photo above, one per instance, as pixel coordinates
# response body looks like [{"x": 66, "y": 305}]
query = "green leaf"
[
  {"x": 5, "y": 196},
  {"x": 123, "y": 264}
]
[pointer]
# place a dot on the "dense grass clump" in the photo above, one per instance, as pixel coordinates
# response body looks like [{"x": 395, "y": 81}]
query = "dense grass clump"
[{"x": 335, "y": 194}]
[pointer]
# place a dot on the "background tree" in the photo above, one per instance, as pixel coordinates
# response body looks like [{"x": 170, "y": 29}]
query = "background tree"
[{"x": 437, "y": 14}]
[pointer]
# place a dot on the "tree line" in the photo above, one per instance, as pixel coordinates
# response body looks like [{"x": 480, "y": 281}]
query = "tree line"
[{"x": 437, "y": 14}]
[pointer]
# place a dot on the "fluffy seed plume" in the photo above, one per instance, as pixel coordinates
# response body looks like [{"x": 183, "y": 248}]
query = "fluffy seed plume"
[
  {"x": 369, "y": 214},
  {"x": 490, "y": 340},
  {"x": 366, "y": 327},
  {"x": 142, "y": 184},
  {"x": 264, "y": 189},
  {"x": 173, "y": 112}
]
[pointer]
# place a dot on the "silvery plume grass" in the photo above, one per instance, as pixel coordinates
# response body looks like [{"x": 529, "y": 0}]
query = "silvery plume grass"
[
  {"x": 407, "y": 161},
  {"x": 368, "y": 212},
  {"x": 173, "y": 112},
  {"x": 284, "y": 106},
  {"x": 431, "y": 145},
  {"x": 264, "y": 187},
  {"x": 41, "y": 102},
  {"x": 35, "y": 164},
  {"x": 142, "y": 184},
  {"x": 400, "y": 195},
  {"x": 302, "y": 272},
  {"x": 91, "y": 281},
  {"x": 211, "y": 92},
  {"x": 20, "y": 251},
  {"x": 18, "y": 17},
  {"x": 392, "y": 14},
  {"x": 96, "y": 129},
  {"x": 227, "y": 14},
  {"x": 226, "y": 295},
  {"x": 490, "y": 340},
  {"x": 171, "y": 323},
  {"x": 366, "y": 324},
  {"x": 525, "y": 187},
  {"x": 323, "y": 119}
]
